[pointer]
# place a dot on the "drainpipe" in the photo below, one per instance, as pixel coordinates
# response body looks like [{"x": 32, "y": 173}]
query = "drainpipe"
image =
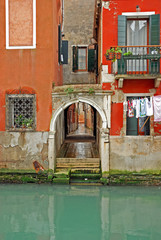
[{"x": 62, "y": 16}]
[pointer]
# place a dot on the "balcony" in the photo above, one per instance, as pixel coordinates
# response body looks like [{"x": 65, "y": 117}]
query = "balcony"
[{"x": 142, "y": 62}]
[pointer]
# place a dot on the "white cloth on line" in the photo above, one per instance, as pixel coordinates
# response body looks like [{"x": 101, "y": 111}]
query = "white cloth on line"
[
  {"x": 149, "y": 107},
  {"x": 142, "y": 107},
  {"x": 157, "y": 108},
  {"x": 138, "y": 108}
]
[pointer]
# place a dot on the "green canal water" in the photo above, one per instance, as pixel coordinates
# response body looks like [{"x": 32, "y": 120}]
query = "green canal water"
[{"x": 46, "y": 212}]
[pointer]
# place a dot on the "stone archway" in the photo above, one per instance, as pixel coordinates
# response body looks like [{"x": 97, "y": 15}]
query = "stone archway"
[{"x": 100, "y": 100}]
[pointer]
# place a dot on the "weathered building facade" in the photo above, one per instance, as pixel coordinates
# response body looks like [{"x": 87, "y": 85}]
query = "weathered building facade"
[
  {"x": 78, "y": 31},
  {"x": 29, "y": 69},
  {"x": 131, "y": 28},
  {"x": 80, "y": 91}
]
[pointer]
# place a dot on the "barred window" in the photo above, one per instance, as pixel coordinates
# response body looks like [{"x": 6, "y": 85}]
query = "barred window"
[{"x": 20, "y": 111}]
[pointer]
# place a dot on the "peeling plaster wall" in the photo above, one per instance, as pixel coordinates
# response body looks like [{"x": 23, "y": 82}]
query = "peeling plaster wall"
[
  {"x": 18, "y": 150},
  {"x": 135, "y": 153}
]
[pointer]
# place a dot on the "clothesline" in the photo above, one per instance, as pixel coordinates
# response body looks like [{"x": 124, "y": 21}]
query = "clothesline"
[{"x": 144, "y": 107}]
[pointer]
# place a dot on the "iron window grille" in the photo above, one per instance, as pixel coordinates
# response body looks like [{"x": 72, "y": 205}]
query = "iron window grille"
[{"x": 20, "y": 111}]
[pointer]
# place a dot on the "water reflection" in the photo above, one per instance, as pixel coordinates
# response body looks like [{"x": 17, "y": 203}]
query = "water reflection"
[{"x": 45, "y": 212}]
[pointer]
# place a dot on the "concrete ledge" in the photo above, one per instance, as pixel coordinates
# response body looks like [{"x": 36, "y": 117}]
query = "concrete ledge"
[
  {"x": 114, "y": 177},
  {"x": 61, "y": 180}
]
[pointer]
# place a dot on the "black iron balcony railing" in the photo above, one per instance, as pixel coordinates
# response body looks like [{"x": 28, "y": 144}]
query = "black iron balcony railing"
[{"x": 137, "y": 60}]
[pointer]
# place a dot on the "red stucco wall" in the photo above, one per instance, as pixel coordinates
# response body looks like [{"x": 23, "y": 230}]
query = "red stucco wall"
[
  {"x": 109, "y": 39},
  {"x": 34, "y": 69},
  {"x": 116, "y": 8}
]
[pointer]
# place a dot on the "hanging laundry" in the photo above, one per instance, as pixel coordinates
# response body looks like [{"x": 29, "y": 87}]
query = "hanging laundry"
[
  {"x": 134, "y": 103},
  {"x": 149, "y": 107},
  {"x": 142, "y": 107},
  {"x": 157, "y": 108},
  {"x": 137, "y": 108},
  {"x": 130, "y": 112}
]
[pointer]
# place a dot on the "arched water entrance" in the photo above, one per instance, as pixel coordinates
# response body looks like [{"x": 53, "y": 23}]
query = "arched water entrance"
[{"x": 100, "y": 101}]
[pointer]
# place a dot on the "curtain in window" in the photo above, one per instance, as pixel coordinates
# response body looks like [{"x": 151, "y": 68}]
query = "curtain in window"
[
  {"x": 137, "y": 36},
  {"x": 82, "y": 58}
]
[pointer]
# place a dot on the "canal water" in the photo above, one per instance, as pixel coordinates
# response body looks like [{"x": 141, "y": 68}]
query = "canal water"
[{"x": 47, "y": 212}]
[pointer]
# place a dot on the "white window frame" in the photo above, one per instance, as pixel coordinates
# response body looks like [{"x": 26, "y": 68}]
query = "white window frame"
[
  {"x": 7, "y": 29},
  {"x": 138, "y": 14}
]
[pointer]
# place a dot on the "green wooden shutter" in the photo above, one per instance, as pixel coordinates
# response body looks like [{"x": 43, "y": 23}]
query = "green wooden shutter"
[
  {"x": 154, "y": 29},
  {"x": 65, "y": 51},
  {"x": 59, "y": 43},
  {"x": 122, "y": 30},
  {"x": 154, "y": 39},
  {"x": 96, "y": 62},
  {"x": 122, "y": 39},
  {"x": 132, "y": 123},
  {"x": 75, "y": 58},
  {"x": 131, "y": 126},
  {"x": 91, "y": 60}
]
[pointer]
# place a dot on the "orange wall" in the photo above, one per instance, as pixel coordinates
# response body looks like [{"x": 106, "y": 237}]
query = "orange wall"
[{"x": 35, "y": 69}]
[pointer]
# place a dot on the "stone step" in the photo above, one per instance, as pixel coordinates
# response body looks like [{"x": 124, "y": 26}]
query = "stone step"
[
  {"x": 78, "y": 160},
  {"x": 85, "y": 176},
  {"x": 70, "y": 165},
  {"x": 75, "y": 163},
  {"x": 80, "y": 170}
]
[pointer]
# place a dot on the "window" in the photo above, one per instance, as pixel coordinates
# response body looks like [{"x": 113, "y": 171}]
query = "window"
[
  {"x": 139, "y": 32},
  {"x": 137, "y": 36},
  {"x": 154, "y": 29},
  {"x": 137, "y": 126},
  {"x": 83, "y": 59},
  {"x": 20, "y": 24},
  {"x": 20, "y": 111}
]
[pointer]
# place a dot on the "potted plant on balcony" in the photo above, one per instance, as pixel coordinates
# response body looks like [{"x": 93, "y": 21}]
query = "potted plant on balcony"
[
  {"x": 113, "y": 54},
  {"x": 155, "y": 54},
  {"x": 118, "y": 53},
  {"x": 127, "y": 54}
]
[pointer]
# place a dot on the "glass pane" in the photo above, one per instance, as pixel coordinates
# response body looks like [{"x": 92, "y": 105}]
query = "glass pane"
[
  {"x": 82, "y": 58},
  {"x": 136, "y": 32},
  {"x": 137, "y": 36}
]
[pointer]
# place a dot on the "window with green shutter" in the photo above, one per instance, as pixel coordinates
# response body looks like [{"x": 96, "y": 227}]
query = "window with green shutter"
[
  {"x": 127, "y": 28},
  {"x": 83, "y": 59},
  {"x": 154, "y": 30},
  {"x": 137, "y": 126}
]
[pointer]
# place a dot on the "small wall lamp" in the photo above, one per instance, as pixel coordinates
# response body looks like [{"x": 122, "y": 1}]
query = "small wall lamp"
[{"x": 138, "y": 8}]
